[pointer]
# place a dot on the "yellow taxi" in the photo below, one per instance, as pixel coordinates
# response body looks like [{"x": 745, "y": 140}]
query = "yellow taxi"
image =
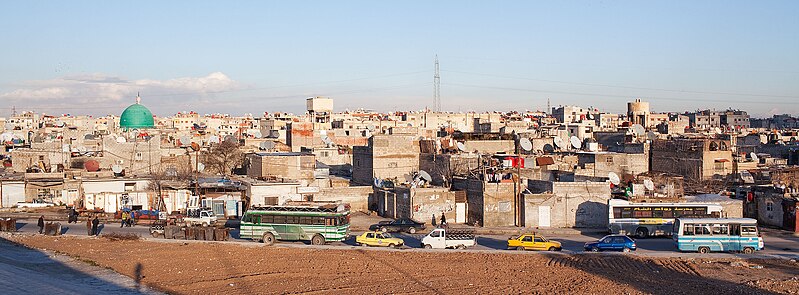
[
  {"x": 378, "y": 239},
  {"x": 533, "y": 242}
]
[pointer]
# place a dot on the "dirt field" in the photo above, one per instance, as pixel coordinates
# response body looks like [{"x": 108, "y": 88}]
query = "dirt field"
[{"x": 195, "y": 268}]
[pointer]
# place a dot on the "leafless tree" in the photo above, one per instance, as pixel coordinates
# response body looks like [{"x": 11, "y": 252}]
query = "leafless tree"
[
  {"x": 168, "y": 174},
  {"x": 223, "y": 157}
]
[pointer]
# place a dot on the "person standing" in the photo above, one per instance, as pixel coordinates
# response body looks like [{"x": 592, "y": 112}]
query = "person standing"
[
  {"x": 95, "y": 223},
  {"x": 41, "y": 224},
  {"x": 434, "y": 220},
  {"x": 443, "y": 219},
  {"x": 123, "y": 219},
  {"x": 89, "y": 226}
]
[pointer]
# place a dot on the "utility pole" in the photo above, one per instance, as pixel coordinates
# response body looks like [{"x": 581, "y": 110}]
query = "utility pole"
[{"x": 436, "y": 87}]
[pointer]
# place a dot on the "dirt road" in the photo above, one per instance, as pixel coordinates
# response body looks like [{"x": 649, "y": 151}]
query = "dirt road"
[{"x": 216, "y": 268}]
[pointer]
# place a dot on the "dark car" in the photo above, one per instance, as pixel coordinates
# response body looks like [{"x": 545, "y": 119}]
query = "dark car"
[
  {"x": 612, "y": 242},
  {"x": 399, "y": 225}
]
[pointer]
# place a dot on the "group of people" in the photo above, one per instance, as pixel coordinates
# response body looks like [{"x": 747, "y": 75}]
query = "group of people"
[
  {"x": 443, "y": 220},
  {"x": 127, "y": 219},
  {"x": 92, "y": 225}
]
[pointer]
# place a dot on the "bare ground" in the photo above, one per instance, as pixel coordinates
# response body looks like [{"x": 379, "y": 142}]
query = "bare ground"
[{"x": 217, "y": 268}]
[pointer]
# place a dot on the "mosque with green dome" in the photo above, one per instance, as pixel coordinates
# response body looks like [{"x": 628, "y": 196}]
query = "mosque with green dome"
[{"x": 136, "y": 116}]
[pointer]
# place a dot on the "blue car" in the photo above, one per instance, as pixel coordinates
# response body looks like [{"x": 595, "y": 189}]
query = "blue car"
[{"x": 612, "y": 242}]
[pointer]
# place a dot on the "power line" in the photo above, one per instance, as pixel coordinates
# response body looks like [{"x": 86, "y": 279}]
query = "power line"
[
  {"x": 621, "y": 96},
  {"x": 624, "y": 87}
]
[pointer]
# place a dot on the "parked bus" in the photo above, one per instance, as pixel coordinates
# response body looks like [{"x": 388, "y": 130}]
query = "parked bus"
[
  {"x": 653, "y": 219},
  {"x": 717, "y": 234},
  {"x": 318, "y": 222}
]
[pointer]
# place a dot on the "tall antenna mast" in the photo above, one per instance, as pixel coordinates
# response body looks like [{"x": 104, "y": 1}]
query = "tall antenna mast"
[
  {"x": 549, "y": 107},
  {"x": 437, "y": 88}
]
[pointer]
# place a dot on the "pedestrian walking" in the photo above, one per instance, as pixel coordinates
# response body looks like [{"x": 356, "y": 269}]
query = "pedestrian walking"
[
  {"x": 124, "y": 219},
  {"x": 89, "y": 226},
  {"x": 434, "y": 220},
  {"x": 95, "y": 223},
  {"x": 41, "y": 224},
  {"x": 443, "y": 219}
]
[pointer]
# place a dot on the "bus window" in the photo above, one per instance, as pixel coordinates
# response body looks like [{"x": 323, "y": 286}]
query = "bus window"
[
  {"x": 668, "y": 212},
  {"x": 256, "y": 219},
  {"x": 626, "y": 212},
  {"x": 318, "y": 220},
  {"x": 292, "y": 219},
  {"x": 735, "y": 229},
  {"x": 702, "y": 229},
  {"x": 748, "y": 230},
  {"x": 720, "y": 229},
  {"x": 616, "y": 212},
  {"x": 688, "y": 230},
  {"x": 267, "y": 219},
  {"x": 279, "y": 219},
  {"x": 329, "y": 221},
  {"x": 246, "y": 218}
]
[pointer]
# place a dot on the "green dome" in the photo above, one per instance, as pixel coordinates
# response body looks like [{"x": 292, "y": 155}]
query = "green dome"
[{"x": 136, "y": 116}]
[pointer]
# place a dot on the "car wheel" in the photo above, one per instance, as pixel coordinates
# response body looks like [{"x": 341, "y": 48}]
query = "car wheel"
[
  {"x": 594, "y": 249},
  {"x": 625, "y": 250},
  {"x": 749, "y": 250},
  {"x": 412, "y": 230},
  {"x": 383, "y": 229},
  {"x": 205, "y": 224},
  {"x": 391, "y": 245},
  {"x": 364, "y": 245},
  {"x": 551, "y": 249},
  {"x": 318, "y": 240},
  {"x": 520, "y": 248},
  {"x": 461, "y": 247},
  {"x": 427, "y": 246},
  {"x": 268, "y": 239},
  {"x": 641, "y": 233},
  {"x": 704, "y": 250}
]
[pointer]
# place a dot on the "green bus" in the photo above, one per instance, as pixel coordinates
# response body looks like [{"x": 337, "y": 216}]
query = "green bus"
[{"x": 318, "y": 222}]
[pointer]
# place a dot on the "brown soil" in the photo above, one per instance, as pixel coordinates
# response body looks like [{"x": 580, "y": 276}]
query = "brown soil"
[{"x": 225, "y": 268}]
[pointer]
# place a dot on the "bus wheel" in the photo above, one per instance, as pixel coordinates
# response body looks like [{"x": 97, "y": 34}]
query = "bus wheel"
[
  {"x": 704, "y": 250},
  {"x": 641, "y": 233},
  {"x": 268, "y": 239},
  {"x": 749, "y": 250},
  {"x": 318, "y": 240}
]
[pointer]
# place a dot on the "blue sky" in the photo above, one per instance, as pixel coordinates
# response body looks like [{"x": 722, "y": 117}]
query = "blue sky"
[{"x": 91, "y": 57}]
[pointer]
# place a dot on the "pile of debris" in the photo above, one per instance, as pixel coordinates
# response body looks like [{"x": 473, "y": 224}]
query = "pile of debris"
[{"x": 196, "y": 233}]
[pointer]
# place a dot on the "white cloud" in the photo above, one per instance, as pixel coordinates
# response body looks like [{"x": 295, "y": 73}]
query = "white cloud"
[{"x": 102, "y": 88}]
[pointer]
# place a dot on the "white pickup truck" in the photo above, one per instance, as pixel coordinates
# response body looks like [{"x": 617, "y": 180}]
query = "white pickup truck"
[
  {"x": 204, "y": 218},
  {"x": 449, "y": 238}
]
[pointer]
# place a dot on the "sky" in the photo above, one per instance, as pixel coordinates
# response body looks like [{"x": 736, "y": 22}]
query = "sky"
[{"x": 237, "y": 57}]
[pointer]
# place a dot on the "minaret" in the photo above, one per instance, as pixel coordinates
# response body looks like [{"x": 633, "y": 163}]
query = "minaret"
[{"x": 138, "y": 98}]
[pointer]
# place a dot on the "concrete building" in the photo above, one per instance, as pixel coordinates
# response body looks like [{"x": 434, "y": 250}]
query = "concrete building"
[
  {"x": 599, "y": 164},
  {"x": 290, "y": 166},
  {"x": 419, "y": 203},
  {"x": 692, "y": 158},
  {"x": 388, "y": 156},
  {"x": 638, "y": 112},
  {"x": 772, "y": 206},
  {"x": 566, "y": 204}
]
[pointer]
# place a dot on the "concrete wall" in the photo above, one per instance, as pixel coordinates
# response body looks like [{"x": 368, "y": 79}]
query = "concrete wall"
[
  {"x": 12, "y": 193},
  {"x": 490, "y": 146},
  {"x": 356, "y": 196},
  {"x": 570, "y": 204},
  {"x": 282, "y": 166},
  {"x": 258, "y": 192}
]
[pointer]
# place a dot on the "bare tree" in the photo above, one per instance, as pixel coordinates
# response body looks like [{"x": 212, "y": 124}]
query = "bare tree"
[
  {"x": 223, "y": 157},
  {"x": 168, "y": 175}
]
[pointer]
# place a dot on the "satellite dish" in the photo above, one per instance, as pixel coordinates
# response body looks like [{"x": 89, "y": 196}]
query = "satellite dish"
[
  {"x": 426, "y": 176},
  {"x": 717, "y": 130},
  {"x": 267, "y": 145},
  {"x": 558, "y": 142},
  {"x": 327, "y": 140},
  {"x": 651, "y": 136},
  {"x": 195, "y": 146},
  {"x": 185, "y": 140},
  {"x": 638, "y": 129},
  {"x": 576, "y": 143},
  {"x": 461, "y": 146},
  {"x": 754, "y": 157},
  {"x": 65, "y": 148},
  {"x": 200, "y": 167},
  {"x": 614, "y": 178},
  {"x": 121, "y": 140},
  {"x": 117, "y": 169},
  {"x": 88, "y": 136},
  {"x": 370, "y": 127},
  {"x": 213, "y": 139},
  {"x": 589, "y": 116},
  {"x": 526, "y": 144},
  {"x": 549, "y": 148},
  {"x": 649, "y": 185},
  {"x": 257, "y": 134},
  {"x": 367, "y": 133}
]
